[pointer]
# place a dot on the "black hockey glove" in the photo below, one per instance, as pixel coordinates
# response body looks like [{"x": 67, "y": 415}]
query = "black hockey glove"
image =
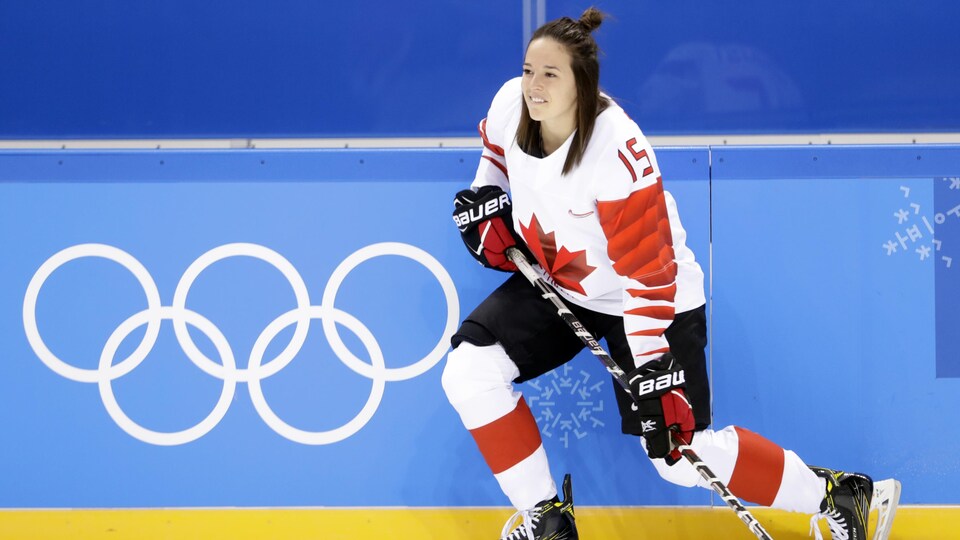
[
  {"x": 485, "y": 221},
  {"x": 663, "y": 406}
]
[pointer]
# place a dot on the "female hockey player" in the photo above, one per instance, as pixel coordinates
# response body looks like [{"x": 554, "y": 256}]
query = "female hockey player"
[{"x": 567, "y": 176}]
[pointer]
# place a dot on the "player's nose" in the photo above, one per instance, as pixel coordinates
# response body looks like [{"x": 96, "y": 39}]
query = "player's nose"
[{"x": 536, "y": 82}]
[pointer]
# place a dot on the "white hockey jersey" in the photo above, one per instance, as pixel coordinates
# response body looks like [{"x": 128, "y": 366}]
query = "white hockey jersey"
[{"x": 606, "y": 234}]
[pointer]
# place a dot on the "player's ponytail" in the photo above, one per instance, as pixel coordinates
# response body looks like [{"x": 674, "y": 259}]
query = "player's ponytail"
[
  {"x": 591, "y": 18},
  {"x": 576, "y": 37}
]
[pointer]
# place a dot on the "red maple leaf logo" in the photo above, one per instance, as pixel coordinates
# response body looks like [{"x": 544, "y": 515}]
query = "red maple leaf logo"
[{"x": 569, "y": 269}]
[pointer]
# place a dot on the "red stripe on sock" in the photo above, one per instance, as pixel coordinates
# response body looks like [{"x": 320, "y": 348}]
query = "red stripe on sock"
[
  {"x": 758, "y": 472},
  {"x": 509, "y": 439}
]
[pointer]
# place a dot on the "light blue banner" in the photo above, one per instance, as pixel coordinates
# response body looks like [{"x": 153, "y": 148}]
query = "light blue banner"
[
  {"x": 833, "y": 327},
  {"x": 154, "y": 355},
  {"x": 833, "y": 308}
]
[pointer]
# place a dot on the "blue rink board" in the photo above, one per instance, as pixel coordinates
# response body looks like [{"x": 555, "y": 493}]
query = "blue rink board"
[
  {"x": 835, "y": 306},
  {"x": 315, "y": 209},
  {"x": 824, "y": 339}
]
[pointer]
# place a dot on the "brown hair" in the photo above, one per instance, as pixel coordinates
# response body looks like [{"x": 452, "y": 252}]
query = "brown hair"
[{"x": 577, "y": 39}]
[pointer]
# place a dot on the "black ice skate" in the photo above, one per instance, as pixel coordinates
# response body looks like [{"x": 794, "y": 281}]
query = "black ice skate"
[
  {"x": 549, "y": 520},
  {"x": 846, "y": 505}
]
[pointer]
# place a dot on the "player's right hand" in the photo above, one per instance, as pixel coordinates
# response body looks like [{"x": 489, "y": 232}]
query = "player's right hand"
[{"x": 485, "y": 221}]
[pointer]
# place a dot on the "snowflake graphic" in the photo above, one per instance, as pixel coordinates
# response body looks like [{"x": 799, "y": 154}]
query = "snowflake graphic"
[
  {"x": 566, "y": 404},
  {"x": 919, "y": 231}
]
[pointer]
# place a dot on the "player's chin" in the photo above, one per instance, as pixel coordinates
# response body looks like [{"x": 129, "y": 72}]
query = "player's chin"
[{"x": 536, "y": 113}]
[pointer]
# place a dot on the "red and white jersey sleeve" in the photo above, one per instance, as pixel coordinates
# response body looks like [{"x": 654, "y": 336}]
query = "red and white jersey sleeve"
[
  {"x": 606, "y": 234},
  {"x": 632, "y": 210},
  {"x": 494, "y": 133}
]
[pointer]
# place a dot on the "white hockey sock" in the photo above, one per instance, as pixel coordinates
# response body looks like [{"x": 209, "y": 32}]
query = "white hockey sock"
[
  {"x": 753, "y": 468},
  {"x": 801, "y": 490},
  {"x": 478, "y": 383}
]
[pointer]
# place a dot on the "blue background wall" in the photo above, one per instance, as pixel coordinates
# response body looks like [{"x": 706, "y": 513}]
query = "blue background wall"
[
  {"x": 823, "y": 339},
  {"x": 298, "y": 68},
  {"x": 834, "y": 270},
  {"x": 315, "y": 209},
  {"x": 840, "y": 346}
]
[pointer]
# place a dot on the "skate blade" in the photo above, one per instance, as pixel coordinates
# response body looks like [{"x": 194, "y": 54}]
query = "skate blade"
[{"x": 886, "y": 497}]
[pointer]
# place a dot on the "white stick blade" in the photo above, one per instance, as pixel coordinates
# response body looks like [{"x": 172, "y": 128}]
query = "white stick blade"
[{"x": 886, "y": 497}]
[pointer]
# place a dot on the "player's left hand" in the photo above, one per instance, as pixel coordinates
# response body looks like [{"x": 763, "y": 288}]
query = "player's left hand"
[{"x": 663, "y": 406}]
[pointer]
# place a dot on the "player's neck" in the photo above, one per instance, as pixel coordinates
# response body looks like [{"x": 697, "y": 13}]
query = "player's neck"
[{"x": 555, "y": 132}]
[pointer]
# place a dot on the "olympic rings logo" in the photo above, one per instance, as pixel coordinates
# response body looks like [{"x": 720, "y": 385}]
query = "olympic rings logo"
[{"x": 227, "y": 370}]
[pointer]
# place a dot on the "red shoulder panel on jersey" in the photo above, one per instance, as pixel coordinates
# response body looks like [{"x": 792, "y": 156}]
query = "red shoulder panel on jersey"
[
  {"x": 664, "y": 313},
  {"x": 657, "y": 352},
  {"x": 639, "y": 241},
  {"x": 486, "y": 142},
  {"x": 654, "y": 332},
  {"x": 663, "y": 294}
]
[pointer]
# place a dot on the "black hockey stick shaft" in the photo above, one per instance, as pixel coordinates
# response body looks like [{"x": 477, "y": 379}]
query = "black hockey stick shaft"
[{"x": 590, "y": 341}]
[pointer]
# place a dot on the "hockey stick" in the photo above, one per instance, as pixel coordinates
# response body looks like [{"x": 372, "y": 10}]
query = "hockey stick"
[{"x": 587, "y": 338}]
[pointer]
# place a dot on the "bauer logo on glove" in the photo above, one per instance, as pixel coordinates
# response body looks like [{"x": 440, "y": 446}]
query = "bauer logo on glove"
[
  {"x": 662, "y": 404},
  {"x": 663, "y": 382},
  {"x": 484, "y": 218},
  {"x": 471, "y": 214}
]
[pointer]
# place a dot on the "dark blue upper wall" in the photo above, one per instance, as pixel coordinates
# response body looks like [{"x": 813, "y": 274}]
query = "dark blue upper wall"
[
  {"x": 283, "y": 68},
  {"x": 753, "y": 66},
  {"x": 249, "y": 68}
]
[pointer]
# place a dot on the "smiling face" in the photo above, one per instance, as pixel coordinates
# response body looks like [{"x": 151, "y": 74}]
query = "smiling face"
[{"x": 548, "y": 85}]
